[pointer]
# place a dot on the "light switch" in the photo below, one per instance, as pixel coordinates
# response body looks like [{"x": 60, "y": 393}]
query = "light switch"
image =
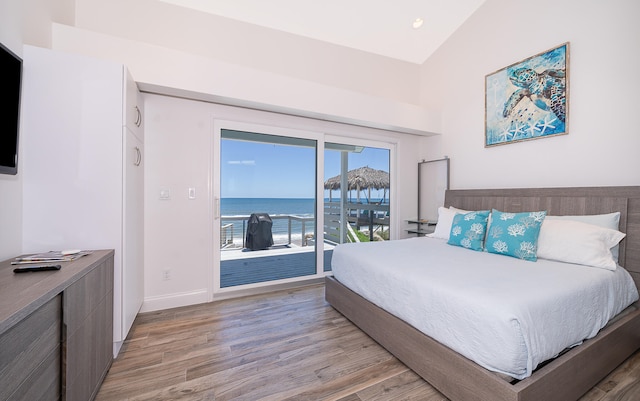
[
  {"x": 192, "y": 193},
  {"x": 165, "y": 194}
]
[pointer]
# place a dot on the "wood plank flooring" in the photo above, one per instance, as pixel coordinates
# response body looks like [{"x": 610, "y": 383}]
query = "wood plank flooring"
[{"x": 287, "y": 345}]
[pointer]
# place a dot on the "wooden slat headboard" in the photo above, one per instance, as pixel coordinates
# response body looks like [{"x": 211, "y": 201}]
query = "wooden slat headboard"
[{"x": 565, "y": 201}]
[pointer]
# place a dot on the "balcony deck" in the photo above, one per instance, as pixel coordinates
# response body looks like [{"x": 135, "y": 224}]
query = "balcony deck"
[{"x": 240, "y": 266}]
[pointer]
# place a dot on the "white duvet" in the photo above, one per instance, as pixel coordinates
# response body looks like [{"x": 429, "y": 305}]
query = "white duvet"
[{"x": 505, "y": 314}]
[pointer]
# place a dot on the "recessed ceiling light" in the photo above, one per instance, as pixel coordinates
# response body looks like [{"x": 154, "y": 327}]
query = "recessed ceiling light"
[{"x": 417, "y": 23}]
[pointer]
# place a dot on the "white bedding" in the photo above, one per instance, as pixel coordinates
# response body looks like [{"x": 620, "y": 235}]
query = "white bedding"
[{"x": 505, "y": 314}]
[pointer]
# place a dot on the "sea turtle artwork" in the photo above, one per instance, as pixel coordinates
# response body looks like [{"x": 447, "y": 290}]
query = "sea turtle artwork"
[
  {"x": 528, "y": 100},
  {"x": 546, "y": 90}
]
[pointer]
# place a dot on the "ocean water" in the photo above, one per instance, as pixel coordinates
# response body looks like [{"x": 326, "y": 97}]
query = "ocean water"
[
  {"x": 246, "y": 206},
  {"x": 301, "y": 208}
]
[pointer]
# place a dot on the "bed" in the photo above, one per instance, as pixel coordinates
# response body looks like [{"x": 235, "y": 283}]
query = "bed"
[{"x": 539, "y": 376}]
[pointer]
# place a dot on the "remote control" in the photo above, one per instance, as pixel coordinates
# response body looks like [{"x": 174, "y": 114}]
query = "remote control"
[{"x": 26, "y": 269}]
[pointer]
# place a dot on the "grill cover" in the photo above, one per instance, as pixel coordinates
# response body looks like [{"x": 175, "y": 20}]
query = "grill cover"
[{"x": 259, "y": 234}]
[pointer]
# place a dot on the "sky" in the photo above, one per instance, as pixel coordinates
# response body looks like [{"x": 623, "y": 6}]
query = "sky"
[{"x": 265, "y": 170}]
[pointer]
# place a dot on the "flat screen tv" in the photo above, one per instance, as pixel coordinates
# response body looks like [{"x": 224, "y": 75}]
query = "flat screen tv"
[{"x": 11, "y": 80}]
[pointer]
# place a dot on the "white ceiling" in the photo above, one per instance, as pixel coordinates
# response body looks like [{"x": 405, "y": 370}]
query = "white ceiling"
[{"x": 382, "y": 27}]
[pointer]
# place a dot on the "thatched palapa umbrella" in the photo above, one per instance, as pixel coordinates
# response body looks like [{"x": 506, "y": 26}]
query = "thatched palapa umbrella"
[{"x": 360, "y": 179}]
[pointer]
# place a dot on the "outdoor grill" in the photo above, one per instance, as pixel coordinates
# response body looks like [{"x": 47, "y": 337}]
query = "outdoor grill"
[{"x": 259, "y": 234}]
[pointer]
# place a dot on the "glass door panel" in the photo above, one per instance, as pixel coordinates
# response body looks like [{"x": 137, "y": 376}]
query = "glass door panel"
[
  {"x": 267, "y": 207},
  {"x": 356, "y": 195}
]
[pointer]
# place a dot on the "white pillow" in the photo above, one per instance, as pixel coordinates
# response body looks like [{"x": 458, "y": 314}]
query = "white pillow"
[
  {"x": 445, "y": 220},
  {"x": 577, "y": 242},
  {"x": 607, "y": 220}
]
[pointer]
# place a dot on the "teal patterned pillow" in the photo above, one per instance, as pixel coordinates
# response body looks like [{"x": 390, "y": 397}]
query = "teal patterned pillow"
[
  {"x": 468, "y": 229},
  {"x": 515, "y": 234}
]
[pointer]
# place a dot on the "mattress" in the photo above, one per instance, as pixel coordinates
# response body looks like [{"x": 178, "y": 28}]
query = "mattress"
[{"x": 505, "y": 314}]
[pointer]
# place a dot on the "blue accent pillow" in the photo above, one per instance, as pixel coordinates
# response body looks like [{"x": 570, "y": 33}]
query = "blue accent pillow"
[
  {"x": 468, "y": 230},
  {"x": 515, "y": 234}
]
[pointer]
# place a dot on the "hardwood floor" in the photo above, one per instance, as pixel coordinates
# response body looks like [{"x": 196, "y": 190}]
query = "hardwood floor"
[{"x": 287, "y": 345}]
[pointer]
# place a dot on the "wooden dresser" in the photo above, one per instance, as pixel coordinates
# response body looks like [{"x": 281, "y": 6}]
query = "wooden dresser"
[{"x": 56, "y": 329}]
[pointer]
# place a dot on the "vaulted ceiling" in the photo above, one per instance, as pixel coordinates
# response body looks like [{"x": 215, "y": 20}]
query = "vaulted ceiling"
[{"x": 382, "y": 27}]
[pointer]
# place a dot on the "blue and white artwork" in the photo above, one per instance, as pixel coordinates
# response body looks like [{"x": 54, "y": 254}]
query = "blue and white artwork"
[{"x": 528, "y": 100}]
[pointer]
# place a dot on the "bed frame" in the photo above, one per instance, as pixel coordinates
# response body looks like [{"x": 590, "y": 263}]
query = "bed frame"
[{"x": 568, "y": 376}]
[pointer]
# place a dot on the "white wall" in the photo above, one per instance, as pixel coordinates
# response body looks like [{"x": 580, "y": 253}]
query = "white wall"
[
  {"x": 178, "y": 140},
  {"x": 259, "y": 48},
  {"x": 178, "y": 148},
  {"x": 183, "y": 73},
  {"x": 604, "y": 139},
  {"x": 11, "y": 185},
  {"x": 23, "y": 22}
]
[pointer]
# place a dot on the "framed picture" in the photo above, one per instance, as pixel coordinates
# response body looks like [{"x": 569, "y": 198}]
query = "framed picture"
[{"x": 528, "y": 99}]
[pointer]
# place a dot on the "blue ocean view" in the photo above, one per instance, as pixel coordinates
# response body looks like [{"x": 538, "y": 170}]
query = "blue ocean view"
[
  {"x": 298, "y": 206},
  {"x": 246, "y": 206}
]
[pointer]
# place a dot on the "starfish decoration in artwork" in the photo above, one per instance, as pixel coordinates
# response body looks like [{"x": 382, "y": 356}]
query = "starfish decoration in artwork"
[
  {"x": 547, "y": 123},
  {"x": 504, "y": 134},
  {"x": 517, "y": 129},
  {"x": 532, "y": 130}
]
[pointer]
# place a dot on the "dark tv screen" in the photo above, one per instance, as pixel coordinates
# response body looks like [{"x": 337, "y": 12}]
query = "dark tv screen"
[{"x": 11, "y": 78}]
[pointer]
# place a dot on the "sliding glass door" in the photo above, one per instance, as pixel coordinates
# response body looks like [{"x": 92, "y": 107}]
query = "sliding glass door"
[
  {"x": 284, "y": 198},
  {"x": 357, "y": 190},
  {"x": 266, "y": 207}
]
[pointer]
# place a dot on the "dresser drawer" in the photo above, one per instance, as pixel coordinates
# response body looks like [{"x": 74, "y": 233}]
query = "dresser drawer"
[{"x": 30, "y": 355}]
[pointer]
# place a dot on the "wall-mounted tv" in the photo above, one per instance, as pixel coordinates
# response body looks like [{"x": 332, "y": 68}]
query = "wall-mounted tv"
[{"x": 11, "y": 79}]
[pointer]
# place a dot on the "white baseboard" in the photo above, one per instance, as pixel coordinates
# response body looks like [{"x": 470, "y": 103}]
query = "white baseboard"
[
  {"x": 116, "y": 348},
  {"x": 169, "y": 301}
]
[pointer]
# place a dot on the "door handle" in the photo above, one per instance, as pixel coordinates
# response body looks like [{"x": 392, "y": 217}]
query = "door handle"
[
  {"x": 138, "y": 157},
  {"x": 138, "y": 121}
]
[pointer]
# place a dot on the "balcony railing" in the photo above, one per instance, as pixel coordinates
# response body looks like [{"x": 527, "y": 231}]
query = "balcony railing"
[
  {"x": 371, "y": 216},
  {"x": 287, "y": 229}
]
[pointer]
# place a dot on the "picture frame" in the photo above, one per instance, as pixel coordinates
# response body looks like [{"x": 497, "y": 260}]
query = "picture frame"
[{"x": 528, "y": 99}]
